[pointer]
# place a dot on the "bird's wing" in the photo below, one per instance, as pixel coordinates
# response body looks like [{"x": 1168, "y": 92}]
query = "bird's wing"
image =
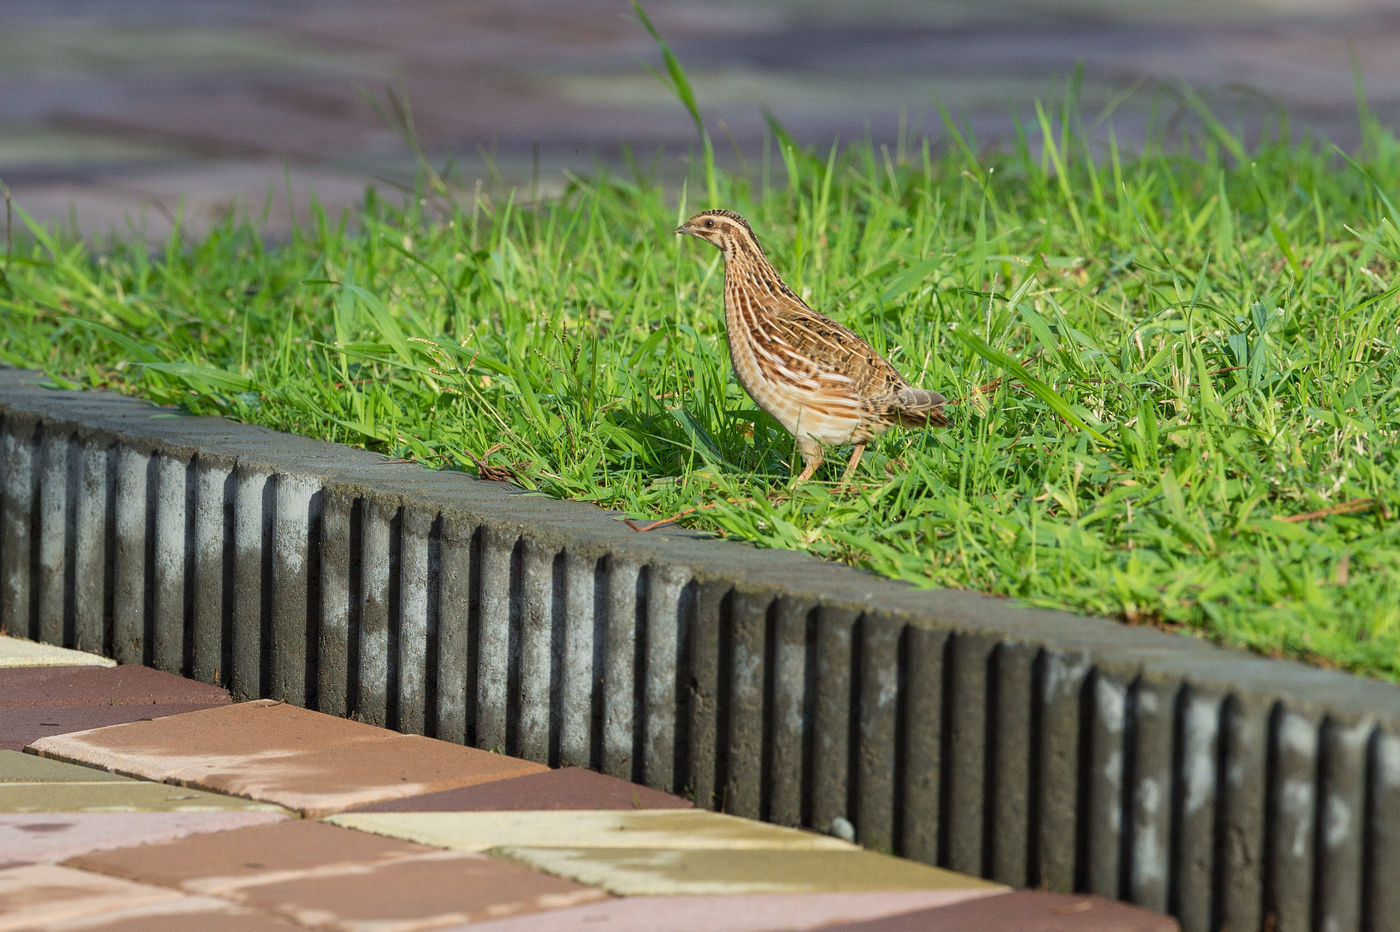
[{"x": 831, "y": 354}]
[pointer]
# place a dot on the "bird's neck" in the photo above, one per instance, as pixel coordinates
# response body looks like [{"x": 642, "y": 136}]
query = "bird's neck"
[{"x": 747, "y": 270}]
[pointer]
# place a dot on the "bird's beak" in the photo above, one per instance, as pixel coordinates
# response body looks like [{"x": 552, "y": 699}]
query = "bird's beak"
[{"x": 683, "y": 228}]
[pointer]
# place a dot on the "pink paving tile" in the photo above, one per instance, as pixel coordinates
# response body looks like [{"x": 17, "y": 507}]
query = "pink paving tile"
[
  {"x": 253, "y": 855},
  {"x": 565, "y": 788},
  {"x": 436, "y": 890},
  {"x": 1024, "y": 911},
  {"x": 52, "y": 836},
  {"x": 37, "y": 895},
  {"x": 130, "y": 684},
  {"x": 181, "y": 913},
  {"x": 280, "y": 753},
  {"x": 392, "y": 766},
  {"x": 755, "y": 913},
  {"x": 320, "y": 874}
]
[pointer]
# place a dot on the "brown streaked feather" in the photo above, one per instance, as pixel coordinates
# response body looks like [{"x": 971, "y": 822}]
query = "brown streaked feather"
[
  {"x": 819, "y": 379},
  {"x": 820, "y": 350}
]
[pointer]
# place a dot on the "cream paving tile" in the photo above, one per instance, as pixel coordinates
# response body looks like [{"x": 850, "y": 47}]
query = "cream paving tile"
[
  {"x": 18, "y": 767},
  {"x": 645, "y": 828},
  {"x": 18, "y": 652},
  {"x": 119, "y": 796},
  {"x": 37, "y": 784},
  {"x": 36, "y": 895},
  {"x": 682, "y": 872}
]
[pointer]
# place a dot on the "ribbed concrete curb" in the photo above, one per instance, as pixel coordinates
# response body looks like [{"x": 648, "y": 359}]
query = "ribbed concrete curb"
[{"x": 1036, "y": 748}]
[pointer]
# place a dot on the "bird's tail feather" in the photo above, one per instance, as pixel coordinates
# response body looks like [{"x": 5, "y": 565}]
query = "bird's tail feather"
[{"x": 919, "y": 407}]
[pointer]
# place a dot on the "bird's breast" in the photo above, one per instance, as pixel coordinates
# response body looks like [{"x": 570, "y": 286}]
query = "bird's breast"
[{"x": 804, "y": 400}]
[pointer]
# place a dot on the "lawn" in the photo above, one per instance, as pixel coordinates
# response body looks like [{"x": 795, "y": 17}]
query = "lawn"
[{"x": 1176, "y": 366}]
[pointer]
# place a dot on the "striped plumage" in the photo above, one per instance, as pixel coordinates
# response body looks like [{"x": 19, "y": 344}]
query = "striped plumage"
[{"x": 824, "y": 384}]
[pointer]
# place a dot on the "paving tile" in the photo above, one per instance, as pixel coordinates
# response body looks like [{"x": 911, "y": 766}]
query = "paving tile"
[
  {"x": 248, "y": 856},
  {"x": 759, "y": 912},
  {"x": 129, "y": 684},
  {"x": 319, "y": 874},
  {"x": 565, "y": 788},
  {"x": 443, "y": 889},
  {"x": 29, "y": 783},
  {"x": 119, "y": 795},
  {"x": 18, "y": 652},
  {"x": 267, "y": 729},
  {"x": 35, "y": 895},
  {"x": 1025, "y": 911},
  {"x": 208, "y": 190},
  {"x": 40, "y": 702},
  {"x": 30, "y": 768},
  {"x": 183, "y": 913},
  {"x": 31, "y": 837},
  {"x": 682, "y": 872},
  {"x": 658, "y": 828},
  {"x": 280, "y": 753},
  {"x": 21, "y": 726}
]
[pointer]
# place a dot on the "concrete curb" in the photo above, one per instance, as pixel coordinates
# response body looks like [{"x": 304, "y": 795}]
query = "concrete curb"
[{"x": 1033, "y": 747}]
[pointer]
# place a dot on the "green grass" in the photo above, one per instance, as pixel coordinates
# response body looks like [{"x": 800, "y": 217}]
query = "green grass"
[{"x": 1196, "y": 342}]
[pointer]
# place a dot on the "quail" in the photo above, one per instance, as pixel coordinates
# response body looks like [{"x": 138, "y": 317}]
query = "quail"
[{"x": 818, "y": 379}]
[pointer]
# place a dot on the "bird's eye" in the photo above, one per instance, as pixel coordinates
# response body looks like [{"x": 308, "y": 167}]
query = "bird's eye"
[{"x": 709, "y": 223}]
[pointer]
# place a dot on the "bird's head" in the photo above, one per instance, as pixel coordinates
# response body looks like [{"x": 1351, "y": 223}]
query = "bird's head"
[{"x": 724, "y": 229}]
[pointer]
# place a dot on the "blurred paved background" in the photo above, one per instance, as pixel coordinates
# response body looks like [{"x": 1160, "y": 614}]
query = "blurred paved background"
[{"x": 123, "y": 112}]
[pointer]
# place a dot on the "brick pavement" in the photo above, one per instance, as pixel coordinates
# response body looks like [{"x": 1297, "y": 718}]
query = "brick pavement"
[
  {"x": 125, "y": 115},
  {"x": 185, "y": 810}
]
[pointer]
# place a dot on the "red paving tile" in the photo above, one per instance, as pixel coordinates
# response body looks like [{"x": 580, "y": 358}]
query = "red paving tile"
[
  {"x": 130, "y": 684},
  {"x": 256, "y": 727},
  {"x": 21, "y": 726},
  {"x": 271, "y": 751},
  {"x": 38, "y": 702},
  {"x": 320, "y": 874},
  {"x": 1024, "y": 911},
  {"x": 566, "y": 788}
]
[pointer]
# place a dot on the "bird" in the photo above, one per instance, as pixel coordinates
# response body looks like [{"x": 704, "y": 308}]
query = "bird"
[{"x": 824, "y": 384}]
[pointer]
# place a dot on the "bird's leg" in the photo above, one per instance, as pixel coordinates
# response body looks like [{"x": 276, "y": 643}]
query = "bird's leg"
[
  {"x": 811, "y": 459},
  {"x": 855, "y": 460}
]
